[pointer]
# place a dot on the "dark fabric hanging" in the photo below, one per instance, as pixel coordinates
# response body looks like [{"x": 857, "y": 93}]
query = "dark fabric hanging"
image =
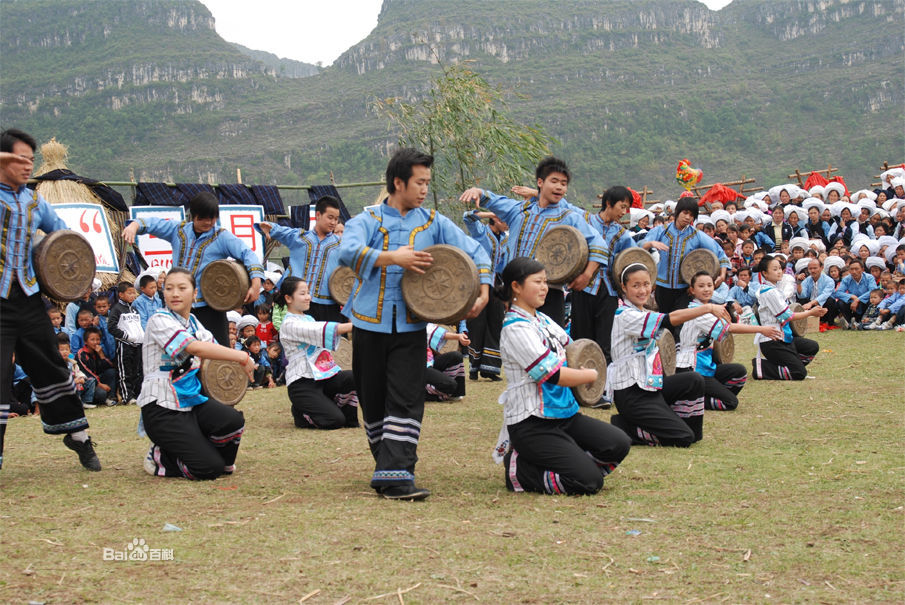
[{"x": 108, "y": 195}]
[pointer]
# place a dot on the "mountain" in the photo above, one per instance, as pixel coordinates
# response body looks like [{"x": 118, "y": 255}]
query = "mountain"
[
  {"x": 287, "y": 68},
  {"x": 628, "y": 88}
]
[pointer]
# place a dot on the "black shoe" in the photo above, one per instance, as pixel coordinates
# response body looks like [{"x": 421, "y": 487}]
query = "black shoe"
[
  {"x": 472, "y": 375},
  {"x": 85, "y": 451},
  {"x": 491, "y": 377},
  {"x": 603, "y": 404},
  {"x": 404, "y": 492}
]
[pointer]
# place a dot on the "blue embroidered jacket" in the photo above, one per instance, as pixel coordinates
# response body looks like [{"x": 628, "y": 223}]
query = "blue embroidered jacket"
[
  {"x": 196, "y": 253},
  {"x": 528, "y": 222},
  {"x": 310, "y": 258},
  {"x": 377, "y": 301},
  {"x": 494, "y": 245},
  {"x": 680, "y": 243},
  {"x": 22, "y": 213},
  {"x": 616, "y": 237}
]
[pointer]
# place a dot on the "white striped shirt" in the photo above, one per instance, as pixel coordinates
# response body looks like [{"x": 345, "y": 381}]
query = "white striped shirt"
[
  {"x": 306, "y": 343},
  {"x": 166, "y": 337},
  {"x": 633, "y": 345},
  {"x": 532, "y": 348},
  {"x": 706, "y": 329}
]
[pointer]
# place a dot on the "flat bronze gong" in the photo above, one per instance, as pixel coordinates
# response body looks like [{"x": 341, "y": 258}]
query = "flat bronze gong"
[
  {"x": 699, "y": 260},
  {"x": 799, "y": 326},
  {"x": 447, "y": 290},
  {"x": 585, "y": 353},
  {"x": 667, "y": 345},
  {"x": 563, "y": 251},
  {"x": 341, "y": 284},
  {"x": 224, "y": 284},
  {"x": 724, "y": 350},
  {"x": 628, "y": 257},
  {"x": 223, "y": 381},
  {"x": 64, "y": 264}
]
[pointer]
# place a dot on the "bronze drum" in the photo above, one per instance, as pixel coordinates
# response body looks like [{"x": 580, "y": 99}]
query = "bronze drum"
[
  {"x": 667, "y": 345},
  {"x": 630, "y": 257},
  {"x": 699, "y": 260},
  {"x": 224, "y": 284},
  {"x": 799, "y": 326},
  {"x": 724, "y": 350},
  {"x": 223, "y": 381},
  {"x": 447, "y": 290},
  {"x": 585, "y": 353},
  {"x": 64, "y": 264},
  {"x": 563, "y": 251},
  {"x": 341, "y": 283}
]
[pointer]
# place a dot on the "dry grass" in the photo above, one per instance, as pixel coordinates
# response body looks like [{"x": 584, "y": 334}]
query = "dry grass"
[{"x": 795, "y": 497}]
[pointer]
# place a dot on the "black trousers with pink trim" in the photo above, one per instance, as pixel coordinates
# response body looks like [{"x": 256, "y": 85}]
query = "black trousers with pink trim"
[
  {"x": 325, "y": 404},
  {"x": 446, "y": 378},
  {"x": 197, "y": 444},
  {"x": 721, "y": 390},
  {"x": 672, "y": 416},
  {"x": 568, "y": 456},
  {"x": 783, "y": 360}
]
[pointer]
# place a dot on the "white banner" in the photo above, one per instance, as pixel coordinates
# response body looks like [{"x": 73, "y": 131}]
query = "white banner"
[
  {"x": 240, "y": 220},
  {"x": 157, "y": 252},
  {"x": 90, "y": 221}
]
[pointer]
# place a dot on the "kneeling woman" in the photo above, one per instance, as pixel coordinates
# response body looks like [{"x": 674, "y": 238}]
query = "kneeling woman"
[
  {"x": 783, "y": 359},
  {"x": 193, "y": 436},
  {"x": 554, "y": 449},
  {"x": 722, "y": 381},
  {"x": 322, "y": 394},
  {"x": 653, "y": 409}
]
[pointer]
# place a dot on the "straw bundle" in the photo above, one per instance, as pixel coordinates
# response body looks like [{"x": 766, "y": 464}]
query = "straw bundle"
[{"x": 54, "y": 154}]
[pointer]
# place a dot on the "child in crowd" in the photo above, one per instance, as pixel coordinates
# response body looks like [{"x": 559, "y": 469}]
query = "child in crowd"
[
  {"x": 265, "y": 330},
  {"x": 72, "y": 311},
  {"x": 84, "y": 386},
  {"x": 56, "y": 320},
  {"x": 127, "y": 328},
  {"x": 146, "y": 303},
  {"x": 871, "y": 318},
  {"x": 262, "y": 374},
  {"x": 892, "y": 307},
  {"x": 246, "y": 327},
  {"x": 84, "y": 319},
  {"x": 101, "y": 309},
  {"x": 277, "y": 363},
  {"x": 93, "y": 362}
]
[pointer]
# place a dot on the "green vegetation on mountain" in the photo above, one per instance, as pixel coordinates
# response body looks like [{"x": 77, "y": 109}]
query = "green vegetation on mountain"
[{"x": 626, "y": 87}]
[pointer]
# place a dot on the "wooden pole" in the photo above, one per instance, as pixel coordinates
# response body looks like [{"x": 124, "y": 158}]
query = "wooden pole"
[{"x": 239, "y": 175}]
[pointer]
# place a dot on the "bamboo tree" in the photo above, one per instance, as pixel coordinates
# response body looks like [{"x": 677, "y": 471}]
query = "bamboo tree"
[{"x": 466, "y": 124}]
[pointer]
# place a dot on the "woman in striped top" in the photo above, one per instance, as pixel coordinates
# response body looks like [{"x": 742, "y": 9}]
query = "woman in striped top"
[
  {"x": 546, "y": 445},
  {"x": 193, "y": 436},
  {"x": 653, "y": 409},
  {"x": 722, "y": 381}
]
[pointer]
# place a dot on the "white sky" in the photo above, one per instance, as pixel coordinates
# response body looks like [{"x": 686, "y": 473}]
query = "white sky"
[{"x": 305, "y": 30}]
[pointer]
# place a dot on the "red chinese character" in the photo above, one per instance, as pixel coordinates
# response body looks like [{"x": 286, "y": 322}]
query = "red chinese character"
[{"x": 242, "y": 226}]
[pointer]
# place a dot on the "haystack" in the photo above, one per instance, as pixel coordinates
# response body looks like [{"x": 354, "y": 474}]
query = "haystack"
[{"x": 54, "y": 154}]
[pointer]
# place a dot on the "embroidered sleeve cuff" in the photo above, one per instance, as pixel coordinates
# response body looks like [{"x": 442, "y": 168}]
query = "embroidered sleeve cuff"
[
  {"x": 596, "y": 254},
  {"x": 436, "y": 336},
  {"x": 718, "y": 330},
  {"x": 177, "y": 344},
  {"x": 544, "y": 367},
  {"x": 364, "y": 260},
  {"x": 330, "y": 335},
  {"x": 651, "y": 325},
  {"x": 784, "y": 316},
  {"x": 255, "y": 271},
  {"x": 485, "y": 275}
]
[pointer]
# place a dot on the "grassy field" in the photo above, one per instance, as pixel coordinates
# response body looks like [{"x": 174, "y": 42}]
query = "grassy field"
[{"x": 795, "y": 497}]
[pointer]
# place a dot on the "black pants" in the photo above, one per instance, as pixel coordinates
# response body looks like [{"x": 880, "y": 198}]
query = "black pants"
[
  {"x": 672, "y": 416},
  {"x": 670, "y": 299},
  {"x": 783, "y": 360},
  {"x": 592, "y": 317},
  {"x": 324, "y": 404},
  {"x": 215, "y": 323},
  {"x": 389, "y": 378},
  {"x": 109, "y": 378},
  {"x": 446, "y": 378},
  {"x": 563, "y": 456},
  {"x": 198, "y": 444},
  {"x": 555, "y": 306},
  {"x": 26, "y": 331},
  {"x": 844, "y": 309},
  {"x": 326, "y": 312},
  {"x": 128, "y": 365},
  {"x": 721, "y": 390},
  {"x": 484, "y": 334}
]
